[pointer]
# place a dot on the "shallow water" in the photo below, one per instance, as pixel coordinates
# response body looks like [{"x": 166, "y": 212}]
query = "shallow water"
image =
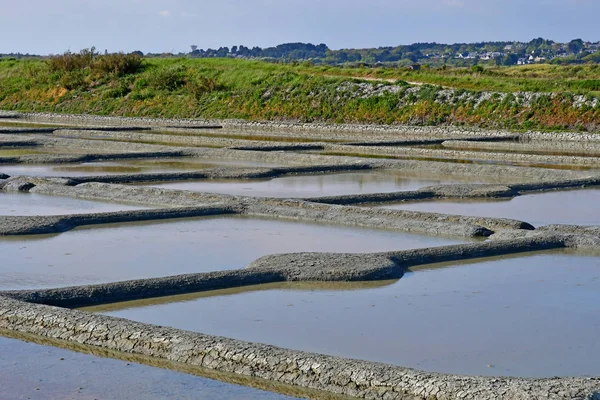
[
  {"x": 38, "y": 204},
  {"x": 531, "y": 150},
  {"x": 3, "y": 123},
  {"x": 246, "y": 136},
  {"x": 578, "y": 207},
  {"x": 312, "y": 185},
  {"x": 464, "y": 160},
  {"x": 33, "y": 371},
  {"x": 19, "y": 152},
  {"x": 144, "y": 250},
  {"x": 132, "y": 166},
  {"x": 534, "y": 316}
]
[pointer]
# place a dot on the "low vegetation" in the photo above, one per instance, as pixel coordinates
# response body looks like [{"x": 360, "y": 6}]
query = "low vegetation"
[{"x": 536, "y": 96}]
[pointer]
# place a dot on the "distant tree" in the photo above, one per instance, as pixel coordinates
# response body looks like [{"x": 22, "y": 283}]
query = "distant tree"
[
  {"x": 244, "y": 51},
  {"x": 194, "y": 48},
  {"x": 222, "y": 52},
  {"x": 414, "y": 56},
  {"x": 575, "y": 46},
  {"x": 354, "y": 57},
  {"x": 234, "y": 49},
  {"x": 509, "y": 59}
]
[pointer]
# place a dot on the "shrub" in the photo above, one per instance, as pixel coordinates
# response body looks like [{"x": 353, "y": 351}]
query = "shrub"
[
  {"x": 121, "y": 90},
  {"x": 68, "y": 61},
  {"x": 201, "y": 85},
  {"x": 140, "y": 84},
  {"x": 72, "y": 80},
  {"x": 428, "y": 92},
  {"x": 167, "y": 78},
  {"x": 143, "y": 95},
  {"x": 119, "y": 64}
]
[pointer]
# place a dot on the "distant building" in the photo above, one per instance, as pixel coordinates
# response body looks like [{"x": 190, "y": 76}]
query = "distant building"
[
  {"x": 523, "y": 61},
  {"x": 491, "y": 55},
  {"x": 415, "y": 67}
]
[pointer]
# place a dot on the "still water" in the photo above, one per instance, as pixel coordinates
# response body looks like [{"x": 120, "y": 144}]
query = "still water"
[
  {"x": 132, "y": 166},
  {"x": 312, "y": 185},
  {"x": 576, "y": 207},
  {"x": 145, "y": 250},
  {"x": 530, "y": 316},
  {"x": 37, "y": 204},
  {"x": 36, "y": 372}
]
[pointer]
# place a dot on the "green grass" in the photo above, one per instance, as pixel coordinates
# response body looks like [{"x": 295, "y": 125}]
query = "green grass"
[
  {"x": 256, "y": 90},
  {"x": 580, "y": 79}
]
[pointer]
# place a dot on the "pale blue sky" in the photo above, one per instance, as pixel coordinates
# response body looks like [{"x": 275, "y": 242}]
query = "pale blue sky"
[{"x": 53, "y": 26}]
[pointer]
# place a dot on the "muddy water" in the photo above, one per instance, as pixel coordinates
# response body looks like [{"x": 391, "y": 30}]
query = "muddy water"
[
  {"x": 19, "y": 152},
  {"x": 246, "y": 136},
  {"x": 579, "y": 207},
  {"x": 29, "y": 125},
  {"x": 32, "y": 371},
  {"x": 465, "y": 160},
  {"x": 525, "y": 149},
  {"x": 37, "y": 204},
  {"x": 312, "y": 185},
  {"x": 147, "y": 165},
  {"x": 131, "y": 251},
  {"x": 533, "y": 316}
]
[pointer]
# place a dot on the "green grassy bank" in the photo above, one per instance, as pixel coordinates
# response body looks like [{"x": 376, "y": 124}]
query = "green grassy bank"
[{"x": 255, "y": 90}]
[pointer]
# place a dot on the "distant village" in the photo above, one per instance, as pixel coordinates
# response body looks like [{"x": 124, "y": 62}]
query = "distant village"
[
  {"x": 538, "y": 50},
  {"x": 523, "y": 57}
]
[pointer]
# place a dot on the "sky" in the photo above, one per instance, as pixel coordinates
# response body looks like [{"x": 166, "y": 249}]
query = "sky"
[{"x": 54, "y": 26}]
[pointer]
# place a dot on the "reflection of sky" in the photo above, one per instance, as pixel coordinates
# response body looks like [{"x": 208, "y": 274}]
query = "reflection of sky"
[
  {"x": 531, "y": 316},
  {"x": 113, "y": 253},
  {"x": 38, "y": 372},
  {"x": 36, "y": 204},
  {"x": 312, "y": 185},
  {"x": 577, "y": 207}
]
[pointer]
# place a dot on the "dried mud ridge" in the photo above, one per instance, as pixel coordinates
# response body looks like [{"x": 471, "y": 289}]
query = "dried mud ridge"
[{"x": 41, "y": 315}]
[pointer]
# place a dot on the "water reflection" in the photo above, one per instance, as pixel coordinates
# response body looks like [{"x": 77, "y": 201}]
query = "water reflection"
[
  {"x": 533, "y": 316},
  {"x": 155, "y": 249},
  {"x": 29, "y": 204},
  {"x": 33, "y": 371},
  {"x": 577, "y": 207},
  {"x": 313, "y": 185},
  {"x": 129, "y": 166}
]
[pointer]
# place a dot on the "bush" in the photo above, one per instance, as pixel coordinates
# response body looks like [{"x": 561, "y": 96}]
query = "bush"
[
  {"x": 428, "y": 92},
  {"x": 119, "y": 64},
  {"x": 121, "y": 90},
  {"x": 201, "y": 85},
  {"x": 167, "y": 79},
  {"x": 68, "y": 61},
  {"x": 144, "y": 94},
  {"x": 73, "y": 80},
  {"x": 140, "y": 84}
]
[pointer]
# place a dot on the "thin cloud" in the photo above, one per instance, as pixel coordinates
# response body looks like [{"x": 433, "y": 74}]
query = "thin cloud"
[
  {"x": 164, "y": 13},
  {"x": 453, "y": 3}
]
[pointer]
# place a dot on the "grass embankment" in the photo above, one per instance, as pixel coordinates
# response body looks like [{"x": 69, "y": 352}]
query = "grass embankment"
[
  {"x": 254, "y": 90},
  {"x": 578, "y": 79}
]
